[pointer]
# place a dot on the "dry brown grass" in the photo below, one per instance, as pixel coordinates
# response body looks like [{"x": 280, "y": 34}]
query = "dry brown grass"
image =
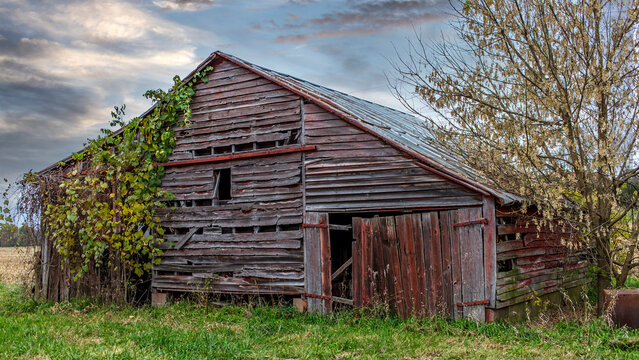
[{"x": 16, "y": 263}]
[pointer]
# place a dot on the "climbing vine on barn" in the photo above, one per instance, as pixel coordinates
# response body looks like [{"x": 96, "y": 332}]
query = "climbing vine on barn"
[{"x": 101, "y": 210}]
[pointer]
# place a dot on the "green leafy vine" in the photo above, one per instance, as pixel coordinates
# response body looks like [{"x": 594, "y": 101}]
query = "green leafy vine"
[{"x": 102, "y": 209}]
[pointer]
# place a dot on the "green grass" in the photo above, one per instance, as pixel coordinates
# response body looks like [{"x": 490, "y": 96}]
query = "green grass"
[
  {"x": 82, "y": 329},
  {"x": 632, "y": 282}
]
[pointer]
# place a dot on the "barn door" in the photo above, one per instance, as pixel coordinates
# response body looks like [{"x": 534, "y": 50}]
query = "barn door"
[
  {"x": 317, "y": 262},
  {"x": 421, "y": 264}
]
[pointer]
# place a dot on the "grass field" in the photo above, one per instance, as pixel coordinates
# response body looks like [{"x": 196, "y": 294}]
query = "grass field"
[
  {"x": 15, "y": 263},
  {"x": 84, "y": 330}
]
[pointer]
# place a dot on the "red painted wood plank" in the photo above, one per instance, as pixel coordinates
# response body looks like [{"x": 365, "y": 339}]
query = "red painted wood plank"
[
  {"x": 357, "y": 276},
  {"x": 413, "y": 272},
  {"x": 407, "y": 262},
  {"x": 429, "y": 263},
  {"x": 380, "y": 270},
  {"x": 366, "y": 249},
  {"x": 357, "y": 262},
  {"x": 447, "y": 277},
  {"x": 248, "y": 155},
  {"x": 398, "y": 279},
  {"x": 436, "y": 255},
  {"x": 416, "y": 220}
]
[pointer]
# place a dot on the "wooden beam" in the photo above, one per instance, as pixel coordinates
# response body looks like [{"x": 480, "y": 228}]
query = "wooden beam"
[
  {"x": 341, "y": 269},
  {"x": 340, "y": 227},
  {"x": 342, "y": 300},
  {"x": 247, "y": 155},
  {"x": 325, "y": 260},
  {"x": 186, "y": 238},
  {"x": 490, "y": 249}
]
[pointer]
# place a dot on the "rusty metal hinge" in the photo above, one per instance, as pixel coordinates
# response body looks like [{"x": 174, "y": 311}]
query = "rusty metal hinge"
[
  {"x": 330, "y": 298},
  {"x": 472, "y": 222},
  {"x": 321, "y": 226},
  {"x": 473, "y": 303}
]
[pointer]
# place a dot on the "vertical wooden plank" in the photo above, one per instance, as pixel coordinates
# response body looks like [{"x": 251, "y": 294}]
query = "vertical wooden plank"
[
  {"x": 387, "y": 293},
  {"x": 357, "y": 276},
  {"x": 465, "y": 245},
  {"x": 436, "y": 256},
  {"x": 447, "y": 279},
  {"x": 303, "y": 142},
  {"x": 325, "y": 260},
  {"x": 456, "y": 270},
  {"x": 312, "y": 265},
  {"x": 391, "y": 235},
  {"x": 420, "y": 271},
  {"x": 45, "y": 261},
  {"x": 431, "y": 299},
  {"x": 403, "y": 273},
  {"x": 381, "y": 264},
  {"x": 406, "y": 234},
  {"x": 490, "y": 249},
  {"x": 473, "y": 275},
  {"x": 401, "y": 236},
  {"x": 476, "y": 236},
  {"x": 357, "y": 263},
  {"x": 366, "y": 249}
]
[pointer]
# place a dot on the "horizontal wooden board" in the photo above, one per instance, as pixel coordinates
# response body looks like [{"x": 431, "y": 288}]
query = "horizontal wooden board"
[{"x": 253, "y": 242}]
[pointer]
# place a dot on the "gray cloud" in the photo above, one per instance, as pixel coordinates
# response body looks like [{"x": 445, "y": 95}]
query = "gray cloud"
[
  {"x": 65, "y": 64},
  {"x": 183, "y": 5},
  {"x": 364, "y": 18}
]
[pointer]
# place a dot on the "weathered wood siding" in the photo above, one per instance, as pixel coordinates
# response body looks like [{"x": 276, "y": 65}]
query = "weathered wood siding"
[
  {"x": 421, "y": 264},
  {"x": 253, "y": 242},
  {"x": 355, "y": 171},
  {"x": 534, "y": 261}
]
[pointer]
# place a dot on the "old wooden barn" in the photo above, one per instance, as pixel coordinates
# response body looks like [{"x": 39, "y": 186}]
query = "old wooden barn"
[{"x": 287, "y": 187}]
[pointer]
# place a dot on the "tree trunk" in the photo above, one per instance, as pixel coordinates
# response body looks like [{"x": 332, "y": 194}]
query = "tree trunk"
[{"x": 603, "y": 272}]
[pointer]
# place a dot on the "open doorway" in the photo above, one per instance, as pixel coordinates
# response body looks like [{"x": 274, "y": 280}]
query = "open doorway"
[{"x": 341, "y": 235}]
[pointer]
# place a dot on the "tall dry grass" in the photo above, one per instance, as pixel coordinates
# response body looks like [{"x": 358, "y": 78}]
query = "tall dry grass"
[{"x": 16, "y": 264}]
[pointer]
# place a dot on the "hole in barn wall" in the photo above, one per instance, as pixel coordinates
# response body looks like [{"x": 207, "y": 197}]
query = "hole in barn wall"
[
  {"x": 203, "y": 152},
  {"x": 244, "y": 230},
  {"x": 244, "y": 147},
  {"x": 507, "y": 220},
  {"x": 505, "y": 265},
  {"x": 266, "y": 144},
  {"x": 269, "y": 229},
  {"x": 290, "y": 227},
  {"x": 222, "y": 150},
  {"x": 224, "y": 191},
  {"x": 203, "y": 202},
  {"x": 180, "y": 231},
  {"x": 507, "y": 237},
  {"x": 294, "y": 138}
]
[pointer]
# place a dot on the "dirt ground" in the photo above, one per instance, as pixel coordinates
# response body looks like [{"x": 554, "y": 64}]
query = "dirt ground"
[{"x": 15, "y": 263}]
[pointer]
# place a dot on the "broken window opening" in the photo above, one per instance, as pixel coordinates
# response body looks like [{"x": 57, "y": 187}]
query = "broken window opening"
[{"x": 223, "y": 185}]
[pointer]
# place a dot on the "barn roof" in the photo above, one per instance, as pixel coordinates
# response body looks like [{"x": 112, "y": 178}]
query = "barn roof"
[{"x": 405, "y": 132}]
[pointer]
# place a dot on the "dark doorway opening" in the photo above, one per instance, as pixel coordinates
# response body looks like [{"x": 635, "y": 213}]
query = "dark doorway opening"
[{"x": 341, "y": 235}]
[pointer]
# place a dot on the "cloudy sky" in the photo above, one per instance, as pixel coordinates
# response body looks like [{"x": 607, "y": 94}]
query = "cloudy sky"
[{"x": 65, "y": 64}]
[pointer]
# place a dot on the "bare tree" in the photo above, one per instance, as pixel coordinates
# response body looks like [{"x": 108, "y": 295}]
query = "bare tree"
[{"x": 540, "y": 96}]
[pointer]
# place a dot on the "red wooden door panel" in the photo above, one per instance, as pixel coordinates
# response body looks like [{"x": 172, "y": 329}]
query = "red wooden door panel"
[{"x": 421, "y": 264}]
